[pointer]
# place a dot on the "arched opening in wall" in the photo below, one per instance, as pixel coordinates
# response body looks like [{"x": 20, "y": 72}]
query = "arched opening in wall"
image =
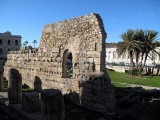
[{"x": 67, "y": 65}]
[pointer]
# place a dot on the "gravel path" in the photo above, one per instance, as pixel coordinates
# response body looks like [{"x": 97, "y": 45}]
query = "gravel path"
[{"x": 134, "y": 85}]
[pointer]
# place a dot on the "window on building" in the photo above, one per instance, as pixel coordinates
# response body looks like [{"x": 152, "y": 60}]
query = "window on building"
[
  {"x": 109, "y": 54},
  {"x": 119, "y": 56},
  {"x": 9, "y": 42},
  {"x": 1, "y": 51},
  {"x": 16, "y": 42},
  {"x": 1, "y": 42},
  {"x": 114, "y": 55},
  {"x": 124, "y": 56},
  {"x": 16, "y": 49},
  {"x": 9, "y": 50}
]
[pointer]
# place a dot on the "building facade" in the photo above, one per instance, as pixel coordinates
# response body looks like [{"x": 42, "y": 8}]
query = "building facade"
[
  {"x": 9, "y": 42},
  {"x": 113, "y": 58}
]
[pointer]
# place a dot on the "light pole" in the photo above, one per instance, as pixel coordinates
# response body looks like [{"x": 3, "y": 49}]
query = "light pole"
[{"x": 34, "y": 42}]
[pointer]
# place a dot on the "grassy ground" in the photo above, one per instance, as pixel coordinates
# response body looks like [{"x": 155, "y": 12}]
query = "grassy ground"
[
  {"x": 120, "y": 85},
  {"x": 24, "y": 88},
  {"x": 153, "y": 81}
]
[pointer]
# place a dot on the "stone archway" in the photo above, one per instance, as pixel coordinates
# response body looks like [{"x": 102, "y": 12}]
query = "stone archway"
[{"x": 67, "y": 65}]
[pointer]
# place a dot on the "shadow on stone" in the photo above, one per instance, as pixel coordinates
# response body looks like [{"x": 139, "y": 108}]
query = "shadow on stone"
[
  {"x": 95, "y": 95},
  {"x": 25, "y": 86},
  {"x": 15, "y": 87},
  {"x": 37, "y": 84},
  {"x": 31, "y": 102},
  {"x": 137, "y": 104},
  {"x": 52, "y": 104}
]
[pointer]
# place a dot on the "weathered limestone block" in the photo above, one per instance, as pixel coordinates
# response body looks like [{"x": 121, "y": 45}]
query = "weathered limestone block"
[
  {"x": 52, "y": 106},
  {"x": 96, "y": 94},
  {"x": 31, "y": 102},
  {"x": 15, "y": 87}
]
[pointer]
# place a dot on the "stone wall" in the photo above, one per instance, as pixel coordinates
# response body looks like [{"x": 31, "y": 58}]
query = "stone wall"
[{"x": 83, "y": 38}]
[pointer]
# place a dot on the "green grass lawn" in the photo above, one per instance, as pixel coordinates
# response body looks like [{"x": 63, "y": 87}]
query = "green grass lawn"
[
  {"x": 120, "y": 85},
  {"x": 153, "y": 81},
  {"x": 5, "y": 84}
]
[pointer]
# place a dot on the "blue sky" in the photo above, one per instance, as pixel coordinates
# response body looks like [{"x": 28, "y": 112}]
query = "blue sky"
[{"x": 28, "y": 17}]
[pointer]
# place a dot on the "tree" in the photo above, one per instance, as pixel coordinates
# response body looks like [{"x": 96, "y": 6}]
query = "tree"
[
  {"x": 139, "y": 37},
  {"x": 138, "y": 43},
  {"x": 129, "y": 45},
  {"x": 150, "y": 43},
  {"x": 25, "y": 43}
]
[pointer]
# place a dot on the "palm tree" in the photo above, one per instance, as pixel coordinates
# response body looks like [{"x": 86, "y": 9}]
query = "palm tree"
[
  {"x": 150, "y": 43},
  {"x": 34, "y": 42},
  {"x": 139, "y": 37},
  {"x": 139, "y": 43},
  {"x": 129, "y": 44},
  {"x": 26, "y": 42}
]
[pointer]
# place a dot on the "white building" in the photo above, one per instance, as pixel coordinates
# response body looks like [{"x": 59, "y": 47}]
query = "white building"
[{"x": 113, "y": 58}]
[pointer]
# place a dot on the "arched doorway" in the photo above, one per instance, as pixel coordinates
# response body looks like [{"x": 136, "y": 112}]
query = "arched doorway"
[{"x": 67, "y": 66}]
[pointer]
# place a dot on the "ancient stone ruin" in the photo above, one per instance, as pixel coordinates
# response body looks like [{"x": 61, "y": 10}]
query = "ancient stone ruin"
[
  {"x": 52, "y": 106},
  {"x": 15, "y": 87},
  {"x": 31, "y": 102},
  {"x": 70, "y": 58}
]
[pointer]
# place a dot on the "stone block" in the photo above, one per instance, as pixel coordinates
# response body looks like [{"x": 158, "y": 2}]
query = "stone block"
[
  {"x": 37, "y": 84},
  {"x": 30, "y": 102},
  {"x": 15, "y": 87},
  {"x": 52, "y": 106}
]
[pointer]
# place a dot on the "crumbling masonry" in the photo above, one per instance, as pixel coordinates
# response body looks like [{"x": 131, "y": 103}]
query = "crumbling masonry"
[{"x": 71, "y": 58}]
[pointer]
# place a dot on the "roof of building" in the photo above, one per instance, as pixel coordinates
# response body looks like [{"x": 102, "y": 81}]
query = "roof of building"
[
  {"x": 8, "y": 34},
  {"x": 111, "y": 45}
]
